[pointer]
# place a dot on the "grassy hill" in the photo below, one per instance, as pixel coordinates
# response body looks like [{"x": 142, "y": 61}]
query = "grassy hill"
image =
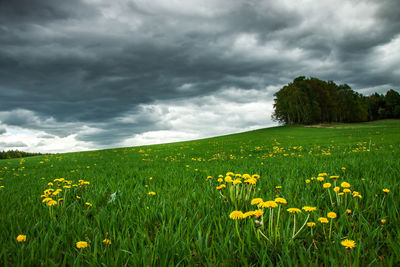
[{"x": 154, "y": 205}]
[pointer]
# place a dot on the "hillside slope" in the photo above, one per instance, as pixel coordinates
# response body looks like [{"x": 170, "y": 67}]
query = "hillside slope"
[{"x": 156, "y": 205}]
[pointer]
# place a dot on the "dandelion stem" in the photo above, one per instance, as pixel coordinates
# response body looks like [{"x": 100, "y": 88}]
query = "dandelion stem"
[
  {"x": 330, "y": 230},
  {"x": 348, "y": 252},
  {"x": 330, "y": 197},
  {"x": 272, "y": 221},
  {"x": 383, "y": 200},
  {"x": 277, "y": 223},
  {"x": 237, "y": 230},
  {"x": 294, "y": 224},
  {"x": 263, "y": 234},
  {"x": 301, "y": 228}
]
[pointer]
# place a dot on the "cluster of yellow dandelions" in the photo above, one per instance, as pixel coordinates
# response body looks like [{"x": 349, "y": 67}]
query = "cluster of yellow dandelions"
[
  {"x": 240, "y": 186},
  {"x": 341, "y": 191},
  {"x": 268, "y": 218},
  {"x": 60, "y": 186},
  {"x": 151, "y": 193},
  {"x": 79, "y": 244},
  {"x": 84, "y": 244}
]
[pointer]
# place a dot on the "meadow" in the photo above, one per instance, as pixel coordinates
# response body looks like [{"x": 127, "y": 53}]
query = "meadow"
[{"x": 282, "y": 196}]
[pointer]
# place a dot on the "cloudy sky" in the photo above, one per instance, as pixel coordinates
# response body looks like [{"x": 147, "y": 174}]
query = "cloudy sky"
[{"x": 90, "y": 74}]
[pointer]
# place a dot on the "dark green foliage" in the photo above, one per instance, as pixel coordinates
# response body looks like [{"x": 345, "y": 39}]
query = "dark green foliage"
[
  {"x": 11, "y": 154},
  {"x": 308, "y": 101}
]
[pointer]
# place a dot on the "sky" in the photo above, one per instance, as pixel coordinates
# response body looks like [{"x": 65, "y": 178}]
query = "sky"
[{"x": 91, "y": 74}]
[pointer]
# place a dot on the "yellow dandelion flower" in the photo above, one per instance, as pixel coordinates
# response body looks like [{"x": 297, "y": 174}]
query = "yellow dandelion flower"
[
  {"x": 248, "y": 214},
  {"x": 268, "y": 204},
  {"x": 323, "y": 220},
  {"x": 348, "y": 244},
  {"x": 252, "y": 181},
  {"x": 258, "y": 213},
  {"x": 67, "y": 186},
  {"x": 311, "y": 224},
  {"x": 322, "y": 174},
  {"x": 383, "y": 221},
  {"x": 47, "y": 199},
  {"x": 346, "y": 190},
  {"x": 294, "y": 210},
  {"x": 332, "y": 215},
  {"x": 345, "y": 185},
  {"x": 107, "y": 241},
  {"x": 220, "y": 187},
  {"x": 256, "y": 176},
  {"x": 334, "y": 177},
  {"x": 230, "y": 174},
  {"x": 309, "y": 209},
  {"x": 21, "y": 238},
  {"x": 78, "y": 197},
  {"x": 220, "y": 176},
  {"x": 348, "y": 211},
  {"x": 278, "y": 187},
  {"x": 88, "y": 204},
  {"x": 321, "y": 179},
  {"x": 327, "y": 185},
  {"x": 151, "y": 193},
  {"x": 220, "y": 180},
  {"x": 237, "y": 181},
  {"x": 336, "y": 189},
  {"x": 50, "y": 184},
  {"x": 51, "y": 203},
  {"x": 228, "y": 179},
  {"x": 81, "y": 244},
  {"x": 280, "y": 200},
  {"x": 341, "y": 194},
  {"x": 256, "y": 201},
  {"x": 385, "y": 190},
  {"x": 246, "y": 176},
  {"x": 236, "y": 215},
  {"x": 308, "y": 181}
]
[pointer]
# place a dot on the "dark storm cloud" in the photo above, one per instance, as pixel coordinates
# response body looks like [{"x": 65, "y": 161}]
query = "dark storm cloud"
[{"x": 90, "y": 63}]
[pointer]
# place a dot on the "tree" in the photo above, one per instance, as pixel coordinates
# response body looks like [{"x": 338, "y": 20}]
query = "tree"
[{"x": 308, "y": 101}]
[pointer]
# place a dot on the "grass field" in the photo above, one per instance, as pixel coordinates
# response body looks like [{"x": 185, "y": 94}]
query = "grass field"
[{"x": 155, "y": 206}]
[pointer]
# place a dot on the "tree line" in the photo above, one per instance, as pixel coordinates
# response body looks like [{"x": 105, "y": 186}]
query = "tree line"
[
  {"x": 310, "y": 101},
  {"x": 11, "y": 154}
]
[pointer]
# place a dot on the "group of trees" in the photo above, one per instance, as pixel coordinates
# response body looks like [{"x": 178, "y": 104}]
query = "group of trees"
[
  {"x": 309, "y": 101},
  {"x": 16, "y": 154}
]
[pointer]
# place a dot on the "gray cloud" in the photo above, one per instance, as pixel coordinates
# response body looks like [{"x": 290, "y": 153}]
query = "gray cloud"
[
  {"x": 13, "y": 144},
  {"x": 89, "y": 67},
  {"x": 2, "y": 130}
]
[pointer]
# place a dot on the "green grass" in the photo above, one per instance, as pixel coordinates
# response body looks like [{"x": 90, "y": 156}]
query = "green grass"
[{"x": 187, "y": 221}]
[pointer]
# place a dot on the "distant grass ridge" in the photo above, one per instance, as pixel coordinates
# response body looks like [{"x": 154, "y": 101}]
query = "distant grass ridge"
[{"x": 158, "y": 205}]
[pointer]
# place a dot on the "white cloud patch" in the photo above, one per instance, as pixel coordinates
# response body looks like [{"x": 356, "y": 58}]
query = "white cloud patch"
[{"x": 229, "y": 111}]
